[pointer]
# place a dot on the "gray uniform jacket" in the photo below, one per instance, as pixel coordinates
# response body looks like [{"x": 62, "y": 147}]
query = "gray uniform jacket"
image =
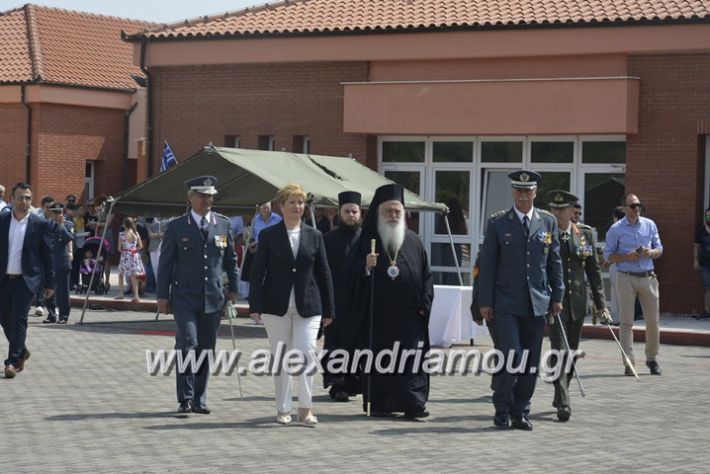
[
  {"x": 190, "y": 267},
  {"x": 516, "y": 271}
]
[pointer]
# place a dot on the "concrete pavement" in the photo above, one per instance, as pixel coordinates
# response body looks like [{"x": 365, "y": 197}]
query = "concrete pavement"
[{"x": 85, "y": 403}]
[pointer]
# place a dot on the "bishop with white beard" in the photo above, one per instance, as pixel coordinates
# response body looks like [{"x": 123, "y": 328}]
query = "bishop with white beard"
[{"x": 403, "y": 293}]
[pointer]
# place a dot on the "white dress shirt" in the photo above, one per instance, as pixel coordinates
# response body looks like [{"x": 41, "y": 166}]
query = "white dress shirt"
[
  {"x": 16, "y": 239},
  {"x": 294, "y": 238},
  {"x": 520, "y": 215},
  {"x": 198, "y": 218}
]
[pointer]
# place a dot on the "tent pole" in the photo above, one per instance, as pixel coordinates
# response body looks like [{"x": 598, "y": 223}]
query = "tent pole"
[
  {"x": 453, "y": 248},
  {"x": 98, "y": 256}
]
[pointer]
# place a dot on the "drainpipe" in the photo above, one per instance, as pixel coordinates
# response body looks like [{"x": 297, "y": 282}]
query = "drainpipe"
[
  {"x": 126, "y": 133},
  {"x": 28, "y": 145},
  {"x": 149, "y": 108}
]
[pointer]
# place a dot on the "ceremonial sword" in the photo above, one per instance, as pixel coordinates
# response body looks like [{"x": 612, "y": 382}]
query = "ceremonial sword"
[{"x": 569, "y": 351}]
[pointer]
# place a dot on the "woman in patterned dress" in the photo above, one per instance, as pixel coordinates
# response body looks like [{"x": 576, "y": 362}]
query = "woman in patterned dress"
[{"x": 130, "y": 267}]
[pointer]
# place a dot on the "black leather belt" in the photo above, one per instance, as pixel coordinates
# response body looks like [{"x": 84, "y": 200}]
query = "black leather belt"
[
  {"x": 13, "y": 276},
  {"x": 640, "y": 274}
]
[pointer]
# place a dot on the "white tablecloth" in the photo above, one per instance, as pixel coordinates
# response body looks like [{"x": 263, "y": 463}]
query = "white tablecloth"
[{"x": 450, "y": 319}]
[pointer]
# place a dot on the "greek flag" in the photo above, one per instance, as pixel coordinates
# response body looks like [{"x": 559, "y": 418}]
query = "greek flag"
[{"x": 168, "y": 159}]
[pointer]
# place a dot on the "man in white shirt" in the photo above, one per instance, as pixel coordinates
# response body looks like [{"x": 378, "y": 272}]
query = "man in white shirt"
[{"x": 26, "y": 268}]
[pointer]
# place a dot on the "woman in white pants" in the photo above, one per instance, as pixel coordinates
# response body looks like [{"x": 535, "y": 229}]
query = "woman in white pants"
[{"x": 291, "y": 291}]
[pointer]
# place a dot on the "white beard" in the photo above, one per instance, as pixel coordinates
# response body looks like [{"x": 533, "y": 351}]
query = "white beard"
[{"x": 392, "y": 235}]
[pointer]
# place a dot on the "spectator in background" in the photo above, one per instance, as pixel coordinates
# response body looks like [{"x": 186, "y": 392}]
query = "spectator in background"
[
  {"x": 266, "y": 218},
  {"x": 80, "y": 234},
  {"x": 71, "y": 199},
  {"x": 3, "y": 204},
  {"x": 130, "y": 266},
  {"x": 91, "y": 218},
  {"x": 701, "y": 260},
  {"x": 44, "y": 212},
  {"x": 237, "y": 226},
  {"x": 62, "y": 237},
  {"x": 324, "y": 220},
  {"x": 155, "y": 238},
  {"x": 577, "y": 214}
]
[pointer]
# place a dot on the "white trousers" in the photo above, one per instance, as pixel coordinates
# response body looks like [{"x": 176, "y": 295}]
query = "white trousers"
[
  {"x": 154, "y": 259},
  {"x": 296, "y": 333}
]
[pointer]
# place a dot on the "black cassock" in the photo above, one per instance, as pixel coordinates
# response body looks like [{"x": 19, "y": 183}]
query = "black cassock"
[
  {"x": 340, "y": 247},
  {"x": 401, "y": 313}
]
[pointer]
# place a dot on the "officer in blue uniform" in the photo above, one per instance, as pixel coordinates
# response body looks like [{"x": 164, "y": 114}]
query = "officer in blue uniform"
[
  {"x": 62, "y": 235},
  {"x": 520, "y": 283},
  {"x": 197, "y": 248}
]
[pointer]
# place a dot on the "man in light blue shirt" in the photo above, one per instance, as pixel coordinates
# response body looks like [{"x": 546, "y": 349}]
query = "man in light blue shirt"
[
  {"x": 632, "y": 243},
  {"x": 265, "y": 219}
]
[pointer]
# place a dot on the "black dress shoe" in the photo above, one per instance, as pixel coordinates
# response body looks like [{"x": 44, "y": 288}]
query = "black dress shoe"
[
  {"x": 21, "y": 362},
  {"x": 342, "y": 396},
  {"x": 63, "y": 320},
  {"x": 50, "y": 319},
  {"x": 653, "y": 367},
  {"x": 564, "y": 413},
  {"x": 520, "y": 423},
  {"x": 201, "y": 410},
  {"x": 185, "y": 407},
  {"x": 380, "y": 414},
  {"x": 501, "y": 421},
  {"x": 413, "y": 415}
]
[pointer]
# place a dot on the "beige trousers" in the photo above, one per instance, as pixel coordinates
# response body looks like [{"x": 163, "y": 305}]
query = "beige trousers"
[{"x": 628, "y": 287}]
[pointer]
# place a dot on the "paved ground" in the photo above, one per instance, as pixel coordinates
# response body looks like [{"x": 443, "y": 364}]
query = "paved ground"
[{"x": 85, "y": 403}]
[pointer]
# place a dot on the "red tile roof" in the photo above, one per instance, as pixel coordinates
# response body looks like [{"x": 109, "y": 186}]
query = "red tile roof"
[
  {"x": 340, "y": 16},
  {"x": 55, "y": 46}
]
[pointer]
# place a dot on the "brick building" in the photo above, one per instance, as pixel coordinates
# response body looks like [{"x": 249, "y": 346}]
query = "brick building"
[
  {"x": 447, "y": 96},
  {"x": 71, "y": 115}
]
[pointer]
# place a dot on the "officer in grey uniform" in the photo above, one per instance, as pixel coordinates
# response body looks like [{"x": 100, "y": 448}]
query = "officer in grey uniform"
[
  {"x": 578, "y": 253},
  {"x": 197, "y": 248},
  {"x": 62, "y": 235},
  {"x": 520, "y": 282}
]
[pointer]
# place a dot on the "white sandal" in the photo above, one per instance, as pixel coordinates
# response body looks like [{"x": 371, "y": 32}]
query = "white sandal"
[
  {"x": 283, "y": 418},
  {"x": 309, "y": 419}
]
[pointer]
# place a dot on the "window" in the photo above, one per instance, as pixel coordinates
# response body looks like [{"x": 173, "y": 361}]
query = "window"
[
  {"x": 403, "y": 152},
  {"x": 550, "y": 180},
  {"x": 302, "y": 144},
  {"x": 501, "y": 152},
  {"x": 552, "y": 152},
  {"x": 452, "y": 188},
  {"x": 496, "y": 194},
  {"x": 231, "y": 141},
  {"x": 453, "y": 152},
  {"x": 267, "y": 142},
  {"x": 602, "y": 193},
  {"x": 603, "y": 152}
]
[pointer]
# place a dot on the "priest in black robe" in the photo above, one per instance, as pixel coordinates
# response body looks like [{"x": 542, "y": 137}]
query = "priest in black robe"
[
  {"x": 403, "y": 293},
  {"x": 340, "y": 247}
]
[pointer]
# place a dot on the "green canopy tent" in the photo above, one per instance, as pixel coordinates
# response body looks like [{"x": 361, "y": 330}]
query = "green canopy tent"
[
  {"x": 248, "y": 178},
  {"x": 251, "y": 177}
]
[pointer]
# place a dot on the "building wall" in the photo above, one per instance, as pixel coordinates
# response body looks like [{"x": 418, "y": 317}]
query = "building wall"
[
  {"x": 13, "y": 137},
  {"x": 664, "y": 163},
  {"x": 195, "y": 105},
  {"x": 66, "y": 137}
]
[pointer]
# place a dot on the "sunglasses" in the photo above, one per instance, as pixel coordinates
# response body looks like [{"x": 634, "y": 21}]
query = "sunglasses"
[{"x": 636, "y": 205}]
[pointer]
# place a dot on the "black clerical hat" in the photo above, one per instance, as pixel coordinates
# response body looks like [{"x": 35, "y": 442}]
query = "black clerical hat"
[
  {"x": 388, "y": 192},
  {"x": 559, "y": 199},
  {"x": 349, "y": 197}
]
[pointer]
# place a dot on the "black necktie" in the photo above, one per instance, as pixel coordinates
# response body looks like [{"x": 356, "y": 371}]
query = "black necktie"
[
  {"x": 203, "y": 228},
  {"x": 526, "y": 225}
]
